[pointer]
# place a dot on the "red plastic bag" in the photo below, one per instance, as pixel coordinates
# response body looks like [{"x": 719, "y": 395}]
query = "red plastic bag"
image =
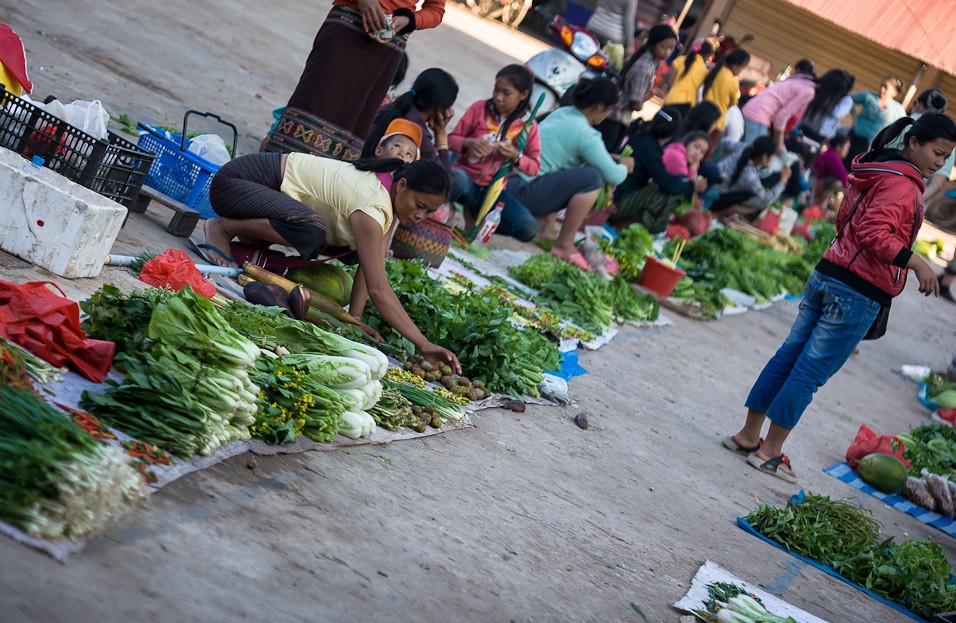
[
  {"x": 696, "y": 221},
  {"x": 868, "y": 442},
  {"x": 769, "y": 223},
  {"x": 175, "y": 270},
  {"x": 677, "y": 231},
  {"x": 48, "y": 325}
]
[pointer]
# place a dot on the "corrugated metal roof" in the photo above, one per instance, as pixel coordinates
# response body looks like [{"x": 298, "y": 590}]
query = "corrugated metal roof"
[{"x": 924, "y": 29}]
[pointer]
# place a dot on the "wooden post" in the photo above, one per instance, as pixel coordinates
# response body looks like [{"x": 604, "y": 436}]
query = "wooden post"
[{"x": 716, "y": 9}]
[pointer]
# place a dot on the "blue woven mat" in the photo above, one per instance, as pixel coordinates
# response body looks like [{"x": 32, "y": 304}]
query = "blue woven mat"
[
  {"x": 844, "y": 473},
  {"x": 745, "y": 525}
]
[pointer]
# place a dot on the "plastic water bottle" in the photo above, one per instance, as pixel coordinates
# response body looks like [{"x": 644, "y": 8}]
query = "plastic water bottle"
[
  {"x": 490, "y": 224},
  {"x": 36, "y": 163}
]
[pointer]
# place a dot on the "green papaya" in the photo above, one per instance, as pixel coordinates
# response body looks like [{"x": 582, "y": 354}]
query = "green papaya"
[{"x": 326, "y": 279}]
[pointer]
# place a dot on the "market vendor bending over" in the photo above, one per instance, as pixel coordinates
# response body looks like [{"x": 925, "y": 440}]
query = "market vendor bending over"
[{"x": 314, "y": 204}]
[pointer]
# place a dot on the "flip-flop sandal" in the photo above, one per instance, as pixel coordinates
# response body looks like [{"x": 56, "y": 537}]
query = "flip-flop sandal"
[
  {"x": 772, "y": 466},
  {"x": 575, "y": 258},
  {"x": 733, "y": 446},
  {"x": 202, "y": 251}
]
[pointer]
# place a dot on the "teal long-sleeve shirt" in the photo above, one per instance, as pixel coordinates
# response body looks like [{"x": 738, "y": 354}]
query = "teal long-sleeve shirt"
[
  {"x": 871, "y": 118},
  {"x": 569, "y": 141}
]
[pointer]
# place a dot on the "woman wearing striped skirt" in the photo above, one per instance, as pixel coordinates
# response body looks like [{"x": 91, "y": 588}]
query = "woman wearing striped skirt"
[{"x": 313, "y": 203}]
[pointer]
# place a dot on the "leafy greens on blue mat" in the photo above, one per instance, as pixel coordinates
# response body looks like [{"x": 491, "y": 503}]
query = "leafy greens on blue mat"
[{"x": 913, "y": 573}]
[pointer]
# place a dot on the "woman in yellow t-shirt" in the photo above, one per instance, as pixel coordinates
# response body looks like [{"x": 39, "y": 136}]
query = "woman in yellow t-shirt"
[
  {"x": 687, "y": 73},
  {"x": 721, "y": 86},
  {"x": 314, "y": 204}
]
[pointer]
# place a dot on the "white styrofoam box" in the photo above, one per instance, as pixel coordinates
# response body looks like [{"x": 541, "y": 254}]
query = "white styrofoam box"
[{"x": 52, "y": 222}]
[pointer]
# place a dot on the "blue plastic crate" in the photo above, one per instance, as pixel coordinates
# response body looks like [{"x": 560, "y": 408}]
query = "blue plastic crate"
[{"x": 178, "y": 174}]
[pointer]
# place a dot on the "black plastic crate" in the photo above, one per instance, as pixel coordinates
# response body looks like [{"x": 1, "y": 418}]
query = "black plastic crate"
[{"x": 114, "y": 168}]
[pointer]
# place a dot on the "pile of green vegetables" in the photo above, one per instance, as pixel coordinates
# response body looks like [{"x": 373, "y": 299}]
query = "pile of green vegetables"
[
  {"x": 940, "y": 390},
  {"x": 913, "y": 573},
  {"x": 931, "y": 447},
  {"x": 324, "y": 383},
  {"x": 479, "y": 329},
  {"x": 724, "y": 258},
  {"x": 58, "y": 480},
  {"x": 187, "y": 387},
  {"x": 586, "y": 298},
  {"x": 630, "y": 249}
]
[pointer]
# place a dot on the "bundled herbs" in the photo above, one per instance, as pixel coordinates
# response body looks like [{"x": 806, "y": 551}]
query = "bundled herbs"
[
  {"x": 711, "y": 301},
  {"x": 630, "y": 249},
  {"x": 931, "y": 447},
  {"x": 19, "y": 366},
  {"x": 914, "y": 573},
  {"x": 478, "y": 328},
  {"x": 59, "y": 481},
  {"x": 121, "y": 318},
  {"x": 421, "y": 397},
  {"x": 187, "y": 387},
  {"x": 724, "y": 258},
  {"x": 541, "y": 320},
  {"x": 585, "y": 297}
]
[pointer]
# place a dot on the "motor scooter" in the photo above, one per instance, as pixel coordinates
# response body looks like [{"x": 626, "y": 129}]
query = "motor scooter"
[{"x": 577, "y": 54}]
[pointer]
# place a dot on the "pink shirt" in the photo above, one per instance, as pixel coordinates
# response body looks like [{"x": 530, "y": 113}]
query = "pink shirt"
[
  {"x": 477, "y": 123},
  {"x": 675, "y": 160},
  {"x": 781, "y": 102}
]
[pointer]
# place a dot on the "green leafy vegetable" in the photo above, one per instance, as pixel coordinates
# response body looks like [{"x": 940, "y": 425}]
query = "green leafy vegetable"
[
  {"x": 478, "y": 327},
  {"x": 58, "y": 481},
  {"x": 931, "y": 447},
  {"x": 121, "y": 318},
  {"x": 914, "y": 573}
]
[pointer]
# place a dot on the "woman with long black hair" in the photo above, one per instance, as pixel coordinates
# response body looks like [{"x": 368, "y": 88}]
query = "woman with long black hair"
[
  {"x": 429, "y": 105},
  {"x": 830, "y": 104},
  {"x": 848, "y": 296},
  {"x": 687, "y": 74},
  {"x": 313, "y": 203}
]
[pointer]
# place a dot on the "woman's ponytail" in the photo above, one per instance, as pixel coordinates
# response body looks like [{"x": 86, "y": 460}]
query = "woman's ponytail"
[{"x": 889, "y": 134}]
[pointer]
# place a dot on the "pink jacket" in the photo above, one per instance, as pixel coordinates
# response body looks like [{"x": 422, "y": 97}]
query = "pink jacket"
[
  {"x": 781, "y": 102},
  {"x": 477, "y": 123},
  {"x": 675, "y": 161}
]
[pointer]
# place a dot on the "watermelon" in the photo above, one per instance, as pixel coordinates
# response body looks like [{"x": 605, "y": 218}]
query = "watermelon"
[
  {"x": 326, "y": 279},
  {"x": 883, "y": 471}
]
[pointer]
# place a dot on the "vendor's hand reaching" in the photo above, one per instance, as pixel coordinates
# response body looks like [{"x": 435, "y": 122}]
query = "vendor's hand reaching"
[
  {"x": 507, "y": 150},
  {"x": 373, "y": 17},
  {"x": 928, "y": 283},
  {"x": 369, "y": 331},
  {"x": 700, "y": 185},
  {"x": 435, "y": 354}
]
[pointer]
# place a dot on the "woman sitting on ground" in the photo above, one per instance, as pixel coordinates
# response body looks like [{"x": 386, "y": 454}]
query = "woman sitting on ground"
[
  {"x": 650, "y": 194},
  {"x": 313, "y": 204},
  {"x": 743, "y": 193},
  {"x": 575, "y": 165},
  {"x": 682, "y": 158}
]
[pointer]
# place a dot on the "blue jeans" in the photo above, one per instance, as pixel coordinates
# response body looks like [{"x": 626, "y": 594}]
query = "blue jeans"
[
  {"x": 753, "y": 131},
  {"x": 516, "y": 220},
  {"x": 833, "y": 318}
]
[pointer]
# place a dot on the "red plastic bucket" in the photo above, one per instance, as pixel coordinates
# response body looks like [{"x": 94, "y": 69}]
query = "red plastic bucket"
[{"x": 658, "y": 277}]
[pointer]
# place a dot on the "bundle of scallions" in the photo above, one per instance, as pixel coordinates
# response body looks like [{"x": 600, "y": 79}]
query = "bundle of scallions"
[{"x": 58, "y": 481}]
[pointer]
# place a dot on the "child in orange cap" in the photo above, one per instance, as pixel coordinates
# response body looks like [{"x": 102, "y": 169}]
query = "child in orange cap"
[{"x": 402, "y": 140}]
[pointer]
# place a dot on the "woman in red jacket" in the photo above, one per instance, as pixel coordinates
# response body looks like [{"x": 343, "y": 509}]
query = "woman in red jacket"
[{"x": 861, "y": 272}]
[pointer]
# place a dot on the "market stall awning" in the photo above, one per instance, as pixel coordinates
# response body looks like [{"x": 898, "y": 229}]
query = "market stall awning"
[{"x": 923, "y": 29}]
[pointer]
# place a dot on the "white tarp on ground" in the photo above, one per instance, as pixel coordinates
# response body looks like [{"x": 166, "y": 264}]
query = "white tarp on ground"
[{"x": 710, "y": 573}]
